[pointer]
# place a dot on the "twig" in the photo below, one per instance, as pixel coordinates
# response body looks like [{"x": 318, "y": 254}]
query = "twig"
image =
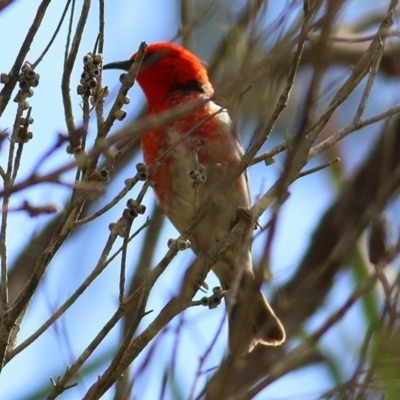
[
  {"x": 17, "y": 162},
  {"x": 354, "y": 126},
  {"x": 361, "y": 39},
  {"x": 268, "y": 156},
  {"x": 69, "y": 34},
  {"x": 127, "y": 83},
  {"x": 84, "y": 131},
  {"x": 319, "y": 68},
  {"x": 265, "y": 201},
  {"x": 3, "y": 249},
  {"x": 368, "y": 87},
  {"x": 9, "y": 177},
  {"x": 7, "y": 90},
  {"x": 331, "y": 140},
  {"x": 68, "y": 66},
  {"x": 34, "y": 211},
  {"x": 319, "y": 168},
  {"x": 64, "y": 13},
  {"x": 100, "y": 103},
  {"x": 101, "y": 26},
  {"x": 129, "y": 184},
  {"x": 175, "y": 348},
  {"x": 5, "y": 3},
  {"x": 361, "y": 69},
  {"x": 203, "y": 358},
  {"x": 123, "y": 263},
  {"x": 142, "y": 268}
]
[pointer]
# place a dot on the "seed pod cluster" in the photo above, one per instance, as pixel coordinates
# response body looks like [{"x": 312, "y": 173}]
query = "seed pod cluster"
[
  {"x": 90, "y": 83},
  {"x": 198, "y": 175},
  {"x": 27, "y": 79},
  {"x": 132, "y": 210},
  {"x": 121, "y": 113},
  {"x": 24, "y": 134},
  {"x": 135, "y": 208},
  {"x": 141, "y": 171},
  {"x": 178, "y": 244}
]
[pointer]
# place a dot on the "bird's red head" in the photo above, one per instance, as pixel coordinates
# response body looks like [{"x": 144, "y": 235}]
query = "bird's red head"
[{"x": 168, "y": 68}]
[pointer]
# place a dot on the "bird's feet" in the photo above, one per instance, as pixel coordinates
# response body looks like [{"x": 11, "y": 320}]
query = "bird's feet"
[{"x": 212, "y": 301}]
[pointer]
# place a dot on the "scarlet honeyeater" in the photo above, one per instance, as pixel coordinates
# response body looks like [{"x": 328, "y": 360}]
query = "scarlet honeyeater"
[{"x": 195, "y": 153}]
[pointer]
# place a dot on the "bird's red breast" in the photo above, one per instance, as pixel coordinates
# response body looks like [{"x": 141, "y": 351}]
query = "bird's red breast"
[{"x": 171, "y": 76}]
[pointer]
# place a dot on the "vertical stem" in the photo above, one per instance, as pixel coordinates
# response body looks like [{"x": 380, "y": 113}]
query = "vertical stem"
[
  {"x": 8, "y": 181},
  {"x": 68, "y": 66},
  {"x": 3, "y": 250},
  {"x": 100, "y": 102}
]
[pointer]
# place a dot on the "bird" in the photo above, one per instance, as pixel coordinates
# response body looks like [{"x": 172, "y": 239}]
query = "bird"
[{"x": 194, "y": 154}]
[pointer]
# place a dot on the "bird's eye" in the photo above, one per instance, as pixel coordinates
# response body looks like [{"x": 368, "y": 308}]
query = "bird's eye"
[{"x": 151, "y": 59}]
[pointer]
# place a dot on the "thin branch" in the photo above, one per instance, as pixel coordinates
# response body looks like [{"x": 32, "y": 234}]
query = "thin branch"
[
  {"x": 100, "y": 102},
  {"x": 17, "y": 162},
  {"x": 366, "y": 38},
  {"x": 101, "y": 26},
  {"x": 10, "y": 175},
  {"x": 69, "y": 64},
  {"x": 368, "y": 87},
  {"x": 319, "y": 168},
  {"x": 57, "y": 30},
  {"x": 7, "y": 90},
  {"x": 69, "y": 33},
  {"x": 127, "y": 83},
  {"x": 354, "y": 126},
  {"x": 129, "y": 184},
  {"x": 123, "y": 263}
]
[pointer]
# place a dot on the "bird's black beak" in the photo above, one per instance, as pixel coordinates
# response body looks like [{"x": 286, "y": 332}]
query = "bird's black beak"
[{"x": 124, "y": 65}]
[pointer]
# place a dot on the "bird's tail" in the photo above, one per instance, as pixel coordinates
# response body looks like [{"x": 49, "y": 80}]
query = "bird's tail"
[{"x": 252, "y": 320}]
